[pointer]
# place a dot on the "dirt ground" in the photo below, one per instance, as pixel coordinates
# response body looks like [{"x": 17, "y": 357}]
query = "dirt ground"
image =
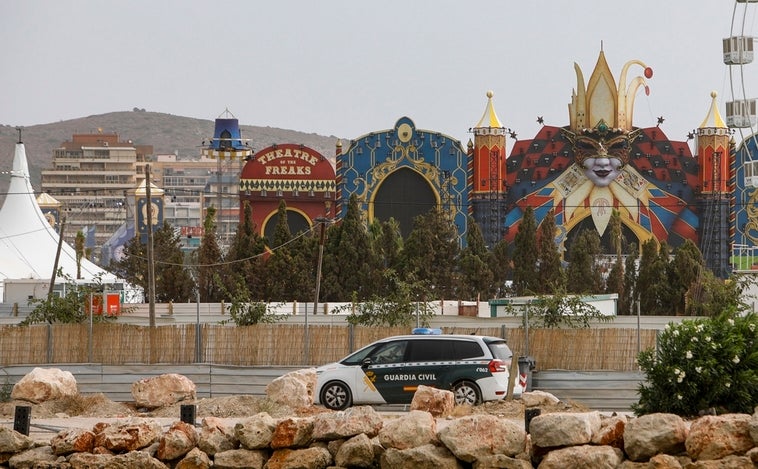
[{"x": 98, "y": 405}]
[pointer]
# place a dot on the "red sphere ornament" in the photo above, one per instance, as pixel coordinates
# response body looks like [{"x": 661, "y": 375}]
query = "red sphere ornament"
[{"x": 648, "y": 72}]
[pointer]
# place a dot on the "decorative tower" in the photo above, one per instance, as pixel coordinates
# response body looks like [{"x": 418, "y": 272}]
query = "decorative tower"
[
  {"x": 487, "y": 174},
  {"x": 51, "y": 209},
  {"x": 714, "y": 159},
  {"x": 138, "y": 197},
  {"x": 227, "y": 147}
]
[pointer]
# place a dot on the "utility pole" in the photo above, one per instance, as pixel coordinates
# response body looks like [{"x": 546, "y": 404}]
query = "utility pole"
[
  {"x": 150, "y": 257},
  {"x": 323, "y": 221}
]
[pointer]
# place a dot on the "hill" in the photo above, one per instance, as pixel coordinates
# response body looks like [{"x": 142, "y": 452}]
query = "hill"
[{"x": 167, "y": 133}]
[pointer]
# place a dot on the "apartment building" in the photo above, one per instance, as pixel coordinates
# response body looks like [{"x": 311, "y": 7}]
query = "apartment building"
[
  {"x": 90, "y": 176},
  {"x": 190, "y": 186}
]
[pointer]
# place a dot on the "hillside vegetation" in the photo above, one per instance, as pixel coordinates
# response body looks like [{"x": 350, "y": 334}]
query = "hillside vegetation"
[{"x": 167, "y": 133}]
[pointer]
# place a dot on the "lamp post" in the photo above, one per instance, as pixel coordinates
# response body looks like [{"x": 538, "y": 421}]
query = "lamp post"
[{"x": 323, "y": 221}]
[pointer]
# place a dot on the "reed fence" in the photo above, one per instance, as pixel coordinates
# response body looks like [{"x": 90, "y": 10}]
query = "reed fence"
[{"x": 284, "y": 344}]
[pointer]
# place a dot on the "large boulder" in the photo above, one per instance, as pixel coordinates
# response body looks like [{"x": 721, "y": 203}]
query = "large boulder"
[
  {"x": 715, "y": 437},
  {"x": 43, "y": 384},
  {"x": 438, "y": 402},
  {"x": 651, "y": 434},
  {"x": 564, "y": 429},
  {"x": 474, "y": 437},
  {"x": 413, "y": 429},
  {"x": 163, "y": 390},
  {"x": 295, "y": 389}
]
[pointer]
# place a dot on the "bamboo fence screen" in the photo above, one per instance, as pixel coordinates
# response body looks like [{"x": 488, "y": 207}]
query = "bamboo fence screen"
[{"x": 284, "y": 345}]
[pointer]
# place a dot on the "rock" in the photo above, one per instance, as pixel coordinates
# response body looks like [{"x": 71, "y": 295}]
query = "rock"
[
  {"x": 215, "y": 436},
  {"x": 611, "y": 432},
  {"x": 309, "y": 458},
  {"x": 729, "y": 462},
  {"x": 501, "y": 461},
  {"x": 476, "y": 436},
  {"x": 538, "y": 398},
  {"x": 358, "y": 451},
  {"x": 73, "y": 440},
  {"x": 255, "y": 432},
  {"x": 564, "y": 429},
  {"x": 33, "y": 458},
  {"x": 415, "y": 428},
  {"x": 43, "y": 384},
  {"x": 163, "y": 390},
  {"x": 128, "y": 460},
  {"x": 715, "y": 437},
  {"x": 438, "y": 402},
  {"x": 292, "y": 433},
  {"x": 127, "y": 435},
  {"x": 347, "y": 423},
  {"x": 177, "y": 441},
  {"x": 651, "y": 434},
  {"x": 420, "y": 457},
  {"x": 240, "y": 459},
  {"x": 753, "y": 427},
  {"x": 295, "y": 389},
  {"x": 596, "y": 457},
  {"x": 195, "y": 459},
  {"x": 664, "y": 461},
  {"x": 12, "y": 441}
]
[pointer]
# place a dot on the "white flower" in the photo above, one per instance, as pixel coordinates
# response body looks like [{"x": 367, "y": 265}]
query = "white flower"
[
  {"x": 679, "y": 396},
  {"x": 699, "y": 328},
  {"x": 736, "y": 359},
  {"x": 751, "y": 326},
  {"x": 728, "y": 384},
  {"x": 698, "y": 369},
  {"x": 694, "y": 339},
  {"x": 676, "y": 371},
  {"x": 688, "y": 355},
  {"x": 679, "y": 379},
  {"x": 730, "y": 321},
  {"x": 707, "y": 339}
]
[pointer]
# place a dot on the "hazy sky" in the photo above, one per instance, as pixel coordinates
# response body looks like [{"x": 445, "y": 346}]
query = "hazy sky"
[{"x": 346, "y": 68}]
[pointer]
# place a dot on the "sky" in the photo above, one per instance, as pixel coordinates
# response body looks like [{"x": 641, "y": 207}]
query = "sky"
[{"x": 346, "y": 67}]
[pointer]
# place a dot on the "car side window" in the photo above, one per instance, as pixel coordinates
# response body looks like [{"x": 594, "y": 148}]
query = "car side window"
[
  {"x": 392, "y": 352},
  {"x": 464, "y": 349},
  {"x": 430, "y": 350}
]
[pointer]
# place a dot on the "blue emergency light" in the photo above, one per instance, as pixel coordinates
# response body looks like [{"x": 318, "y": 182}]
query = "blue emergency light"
[{"x": 426, "y": 331}]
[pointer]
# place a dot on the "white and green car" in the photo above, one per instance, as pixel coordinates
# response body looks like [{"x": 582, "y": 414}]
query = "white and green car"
[{"x": 389, "y": 371}]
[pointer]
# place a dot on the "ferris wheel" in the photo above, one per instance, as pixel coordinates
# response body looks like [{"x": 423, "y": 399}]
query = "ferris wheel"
[{"x": 738, "y": 52}]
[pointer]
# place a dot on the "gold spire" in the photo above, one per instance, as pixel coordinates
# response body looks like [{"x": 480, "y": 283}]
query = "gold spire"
[
  {"x": 601, "y": 104},
  {"x": 713, "y": 119},
  {"x": 489, "y": 120}
]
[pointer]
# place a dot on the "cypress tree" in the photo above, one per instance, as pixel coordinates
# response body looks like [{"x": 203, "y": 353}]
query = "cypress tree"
[
  {"x": 525, "y": 279},
  {"x": 550, "y": 276},
  {"x": 476, "y": 276}
]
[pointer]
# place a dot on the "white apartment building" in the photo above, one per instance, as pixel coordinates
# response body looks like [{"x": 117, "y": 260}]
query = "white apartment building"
[{"x": 90, "y": 177}]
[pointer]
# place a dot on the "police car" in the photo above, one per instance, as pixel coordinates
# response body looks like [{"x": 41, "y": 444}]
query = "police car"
[{"x": 389, "y": 371}]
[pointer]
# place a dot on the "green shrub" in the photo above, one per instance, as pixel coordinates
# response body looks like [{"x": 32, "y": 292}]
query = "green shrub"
[{"x": 702, "y": 365}]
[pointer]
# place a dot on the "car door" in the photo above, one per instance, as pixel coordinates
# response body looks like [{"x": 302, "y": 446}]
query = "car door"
[
  {"x": 381, "y": 374},
  {"x": 428, "y": 364}
]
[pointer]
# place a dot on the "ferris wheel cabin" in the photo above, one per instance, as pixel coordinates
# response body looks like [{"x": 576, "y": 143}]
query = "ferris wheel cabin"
[{"x": 738, "y": 50}]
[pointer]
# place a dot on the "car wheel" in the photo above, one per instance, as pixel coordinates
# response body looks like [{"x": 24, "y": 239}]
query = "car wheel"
[
  {"x": 335, "y": 395},
  {"x": 466, "y": 392}
]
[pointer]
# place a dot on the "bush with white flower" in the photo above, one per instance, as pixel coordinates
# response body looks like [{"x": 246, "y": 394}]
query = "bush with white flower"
[{"x": 702, "y": 365}]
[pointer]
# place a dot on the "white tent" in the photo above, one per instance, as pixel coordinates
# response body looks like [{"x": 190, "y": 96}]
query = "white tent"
[{"x": 28, "y": 244}]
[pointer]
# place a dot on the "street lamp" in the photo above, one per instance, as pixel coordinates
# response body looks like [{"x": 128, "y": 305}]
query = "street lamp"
[{"x": 323, "y": 221}]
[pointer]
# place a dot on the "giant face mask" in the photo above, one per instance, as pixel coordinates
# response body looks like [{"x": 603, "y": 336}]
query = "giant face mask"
[{"x": 601, "y": 153}]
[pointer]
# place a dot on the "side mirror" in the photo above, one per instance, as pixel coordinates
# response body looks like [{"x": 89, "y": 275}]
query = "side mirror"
[{"x": 366, "y": 362}]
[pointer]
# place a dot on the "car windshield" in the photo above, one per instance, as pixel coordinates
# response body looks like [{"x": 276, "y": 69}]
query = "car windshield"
[{"x": 500, "y": 350}]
